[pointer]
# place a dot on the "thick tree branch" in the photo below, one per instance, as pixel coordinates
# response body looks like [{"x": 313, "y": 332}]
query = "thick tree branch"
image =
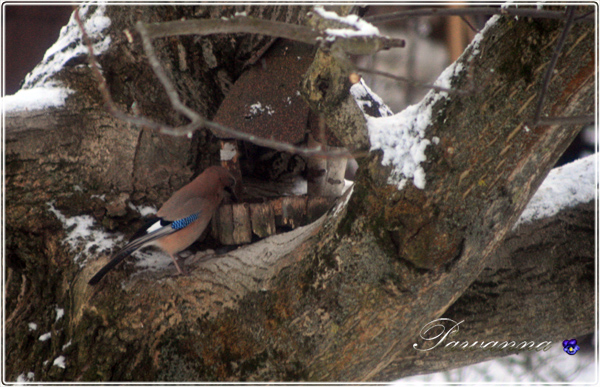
[
  {"x": 544, "y": 268},
  {"x": 366, "y": 45}
]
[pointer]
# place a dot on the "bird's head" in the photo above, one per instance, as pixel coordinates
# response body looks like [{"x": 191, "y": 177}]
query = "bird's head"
[{"x": 227, "y": 181}]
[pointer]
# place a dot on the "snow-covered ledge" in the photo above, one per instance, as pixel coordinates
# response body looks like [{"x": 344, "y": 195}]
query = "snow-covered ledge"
[
  {"x": 565, "y": 187},
  {"x": 40, "y": 90}
]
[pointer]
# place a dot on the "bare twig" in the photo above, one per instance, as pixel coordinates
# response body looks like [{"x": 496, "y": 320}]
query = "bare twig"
[
  {"x": 354, "y": 45},
  {"x": 585, "y": 15},
  {"x": 523, "y": 12},
  {"x": 468, "y": 23},
  {"x": 164, "y": 78},
  {"x": 233, "y": 25},
  {"x": 570, "y": 12},
  {"x": 103, "y": 87},
  {"x": 197, "y": 121},
  {"x": 413, "y": 82}
]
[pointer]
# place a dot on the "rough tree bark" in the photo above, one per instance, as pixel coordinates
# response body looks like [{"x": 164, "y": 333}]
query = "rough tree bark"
[{"x": 341, "y": 299}]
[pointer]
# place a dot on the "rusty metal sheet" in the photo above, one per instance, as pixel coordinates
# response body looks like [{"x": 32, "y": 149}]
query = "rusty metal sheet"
[{"x": 265, "y": 101}]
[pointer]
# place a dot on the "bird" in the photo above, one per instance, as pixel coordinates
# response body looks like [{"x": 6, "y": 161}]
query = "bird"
[{"x": 181, "y": 219}]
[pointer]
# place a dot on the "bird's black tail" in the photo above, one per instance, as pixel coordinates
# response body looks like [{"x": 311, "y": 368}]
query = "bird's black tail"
[
  {"x": 140, "y": 239},
  {"x": 121, "y": 255}
]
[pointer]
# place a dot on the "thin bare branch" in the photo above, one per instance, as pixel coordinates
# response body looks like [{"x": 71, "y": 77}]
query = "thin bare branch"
[
  {"x": 111, "y": 107},
  {"x": 162, "y": 76},
  {"x": 197, "y": 121},
  {"x": 468, "y": 23},
  {"x": 585, "y": 15},
  {"x": 355, "y": 45},
  {"x": 248, "y": 25},
  {"x": 522, "y": 12},
  {"x": 570, "y": 12},
  {"x": 412, "y": 82}
]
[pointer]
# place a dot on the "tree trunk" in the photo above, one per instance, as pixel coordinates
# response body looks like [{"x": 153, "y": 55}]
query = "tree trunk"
[{"x": 342, "y": 299}]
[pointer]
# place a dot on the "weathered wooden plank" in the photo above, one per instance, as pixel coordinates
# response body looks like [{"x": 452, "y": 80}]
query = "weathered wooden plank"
[
  {"x": 222, "y": 225},
  {"x": 242, "y": 229},
  {"x": 263, "y": 219},
  {"x": 290, "y": 211}
]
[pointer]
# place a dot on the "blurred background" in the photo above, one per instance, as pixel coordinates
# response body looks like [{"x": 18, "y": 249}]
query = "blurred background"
[
  {"x": 432, "y": 43},
  {"x": 28, "y": 32}
]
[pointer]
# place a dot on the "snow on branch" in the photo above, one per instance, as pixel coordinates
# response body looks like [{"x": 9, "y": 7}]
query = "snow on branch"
[
  {"x": 565, "y": 187},
  {"x": 356, "y": 26},
  {"x": 83, "y": 236},
  {"x": 38, "y": 98},
  {"x": 401, "y": 137},
  {"x": 40, "y": 90}
]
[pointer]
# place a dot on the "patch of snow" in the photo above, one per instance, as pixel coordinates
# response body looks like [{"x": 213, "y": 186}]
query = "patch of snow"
[
  {"x": 565, "y": 187},
  {"x": 551, "y": 367},
  {"x": 473, "y": 48},
  {"x": 66, "y": 345},
  {"x": 60, "y": 362},
  {"x": 38, "y": 98},
  {"x": 257, "y": 109},
  {"x": 32, "y": 326},
  {"x": 82, "y": 236},
  {"x": 152, "y": 259},
  {"x": 60, "y": 312},
  {"x": 25, "y": 378},
  {"x": 143, "y": 210},
  {"x": 45, "y": 336},
  {"x": 358, "y": 26},
  {"x": 401, "y": 137}
]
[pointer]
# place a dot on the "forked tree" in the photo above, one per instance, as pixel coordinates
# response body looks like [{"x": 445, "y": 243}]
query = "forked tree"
[{"x": 344, "y": 297}]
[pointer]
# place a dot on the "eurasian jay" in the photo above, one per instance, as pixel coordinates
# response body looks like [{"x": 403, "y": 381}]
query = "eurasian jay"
[{"x": 181, "y": 220}]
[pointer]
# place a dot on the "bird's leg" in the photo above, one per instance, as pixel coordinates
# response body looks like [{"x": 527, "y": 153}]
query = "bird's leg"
[{"x": 175, "y": 258}]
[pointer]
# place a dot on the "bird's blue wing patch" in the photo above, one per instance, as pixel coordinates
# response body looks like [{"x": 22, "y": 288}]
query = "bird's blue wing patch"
[{"x": 182, "y": 223}]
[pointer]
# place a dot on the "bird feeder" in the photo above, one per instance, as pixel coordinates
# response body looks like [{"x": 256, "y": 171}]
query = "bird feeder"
[{"x": 265, "y": 102}]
